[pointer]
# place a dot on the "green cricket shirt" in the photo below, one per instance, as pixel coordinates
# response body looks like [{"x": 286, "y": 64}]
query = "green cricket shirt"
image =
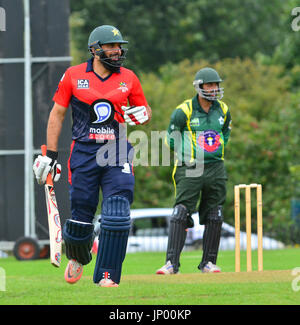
[{"x": 196, "y": 134}]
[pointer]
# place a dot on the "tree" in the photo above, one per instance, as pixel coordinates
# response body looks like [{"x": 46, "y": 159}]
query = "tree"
[{"x": 170, "y": 31}]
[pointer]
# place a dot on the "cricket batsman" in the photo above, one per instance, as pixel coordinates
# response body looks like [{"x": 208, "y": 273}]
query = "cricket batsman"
[
  {"x": 202, "y": 124},
  {"x": 102, "y": 95}
]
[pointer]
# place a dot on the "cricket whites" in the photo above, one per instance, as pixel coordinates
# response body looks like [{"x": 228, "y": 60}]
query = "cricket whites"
[{"x": 53, "y": 219}]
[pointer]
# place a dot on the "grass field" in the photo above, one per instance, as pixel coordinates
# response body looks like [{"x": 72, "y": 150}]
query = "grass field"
[{"x": 39, "y": 283}]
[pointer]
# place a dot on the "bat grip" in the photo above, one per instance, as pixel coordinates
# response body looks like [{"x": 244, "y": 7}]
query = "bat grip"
[
  {"x": 44, "y": 150},
  {"x": 49, "y": 180}
]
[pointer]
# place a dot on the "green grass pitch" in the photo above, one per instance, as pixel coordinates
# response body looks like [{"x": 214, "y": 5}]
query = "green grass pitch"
[{"x": 39, "y": 283}]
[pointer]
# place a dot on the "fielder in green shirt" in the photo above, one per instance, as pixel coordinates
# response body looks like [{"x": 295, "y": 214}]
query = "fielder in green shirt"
[{"x": 198, "y": 132}]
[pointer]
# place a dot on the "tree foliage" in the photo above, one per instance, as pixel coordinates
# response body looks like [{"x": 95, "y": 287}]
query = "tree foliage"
[{"x": 169, "y": 31}]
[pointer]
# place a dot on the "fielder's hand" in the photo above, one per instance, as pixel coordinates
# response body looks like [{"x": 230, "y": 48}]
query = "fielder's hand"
[
  {"x": 43, "y": 165},
  {"x": 135, "y": 115}
]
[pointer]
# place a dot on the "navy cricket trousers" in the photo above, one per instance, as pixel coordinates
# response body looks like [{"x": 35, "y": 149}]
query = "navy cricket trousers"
[{"x": 86, "y": 178}]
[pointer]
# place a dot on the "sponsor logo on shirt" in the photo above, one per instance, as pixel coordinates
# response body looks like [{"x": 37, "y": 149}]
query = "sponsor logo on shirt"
[
  {"x": 123, "y": 87},
  {"x": 102, "y": 112},
  {"x": 209, "y": 141},
  {"x": 83, "y": 84},
  {"x": 195, "y": 122},
  {"x": 103, "y": 133},
  {"x": 101, "y": 115}
]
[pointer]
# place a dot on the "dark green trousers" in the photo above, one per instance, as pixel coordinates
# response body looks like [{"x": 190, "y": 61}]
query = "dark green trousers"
[{"x": 209, "y": 189}]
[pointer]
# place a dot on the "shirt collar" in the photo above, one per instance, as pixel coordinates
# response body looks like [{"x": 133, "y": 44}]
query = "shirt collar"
[
  {"x": 89, "y": 66},
  {"x": 195, "y": 103}
]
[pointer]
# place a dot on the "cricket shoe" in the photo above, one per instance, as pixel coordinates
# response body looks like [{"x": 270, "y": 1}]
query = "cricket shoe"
[
  {"x": 107, "y": 283},
  {"x": 73, "y": 271},
  {"x": 166, "y": 269},
  {"x": 210, "y": 268}
]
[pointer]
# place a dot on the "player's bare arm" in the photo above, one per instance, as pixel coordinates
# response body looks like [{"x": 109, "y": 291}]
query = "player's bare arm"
[{"x": 55, "y": 122}]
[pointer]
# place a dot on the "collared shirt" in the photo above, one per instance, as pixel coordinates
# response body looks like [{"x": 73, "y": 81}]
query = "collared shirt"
[
  {"x": 96, "y": 102},
  {"x": 202, "y": 134}
]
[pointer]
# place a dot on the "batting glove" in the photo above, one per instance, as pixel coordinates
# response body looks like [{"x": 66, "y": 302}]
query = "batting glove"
[
  {"x": 135, "y": 115},
  {"x": 43, "y": 165}
]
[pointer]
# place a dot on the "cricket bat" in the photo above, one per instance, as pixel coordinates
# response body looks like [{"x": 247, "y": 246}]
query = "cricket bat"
[{"x": 53, "y": 219}]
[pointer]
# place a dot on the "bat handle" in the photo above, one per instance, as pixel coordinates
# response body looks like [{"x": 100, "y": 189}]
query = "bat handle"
[
  {"x": 49, "y": 177},
  {"x": 44, "y": 149}
]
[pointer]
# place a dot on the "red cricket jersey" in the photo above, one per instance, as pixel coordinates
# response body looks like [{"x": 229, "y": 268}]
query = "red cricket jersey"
[{"x": 96, "y": 102}]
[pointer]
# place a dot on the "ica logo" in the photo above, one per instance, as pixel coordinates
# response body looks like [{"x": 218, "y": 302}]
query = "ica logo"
[{"x": 83, "y": 84}]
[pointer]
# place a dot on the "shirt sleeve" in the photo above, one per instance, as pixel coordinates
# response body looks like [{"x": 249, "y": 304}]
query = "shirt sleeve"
[
  {"x": 227, "y": 128},
  {"x": 63, "y": 92},
  {"x": 137, "y": 97},
  {"x": 176, "y": 126}
]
